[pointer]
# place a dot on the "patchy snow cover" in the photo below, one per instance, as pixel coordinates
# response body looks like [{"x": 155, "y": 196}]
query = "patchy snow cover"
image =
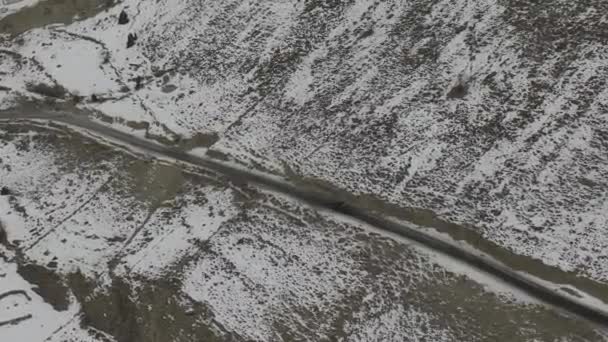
[
  {"x": 17, "y": 72},
  {"x": 34, "y": 320},
  {"x": 77, "y": 64},
  {"x": 442, "y": 106},
  {"x": 390, "y": 325},
  {"x": 488, "y": 113},
  {"x": 169, "y": 235},
  {"x": 49, "y": 191},
  {"x": 263, "y": 266}
]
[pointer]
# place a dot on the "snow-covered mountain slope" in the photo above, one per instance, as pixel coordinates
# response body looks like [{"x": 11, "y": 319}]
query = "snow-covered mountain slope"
[
  {"x": 491, "y": 114},
  {"x": 488, "y": 114},
  {"x": 123, "y": 248}
]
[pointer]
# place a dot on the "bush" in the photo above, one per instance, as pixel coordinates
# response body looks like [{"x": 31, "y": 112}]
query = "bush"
[{"x": 56, "y": 91}]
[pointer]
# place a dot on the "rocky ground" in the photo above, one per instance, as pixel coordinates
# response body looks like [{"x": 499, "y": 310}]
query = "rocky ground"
[
  {"x": 487, "y": 116},
  {"x": 103, "y": 245}
]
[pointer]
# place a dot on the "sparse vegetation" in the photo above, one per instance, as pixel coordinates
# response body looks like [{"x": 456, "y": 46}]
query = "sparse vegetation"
[
  {"x": 458, "y": 91},
  {"x": 55, "y": 91},
  {"x": 105, "y": 56}
]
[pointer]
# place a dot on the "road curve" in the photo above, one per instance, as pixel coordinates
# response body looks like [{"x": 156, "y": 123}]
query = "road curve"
[{"x": 330, "y": 202}]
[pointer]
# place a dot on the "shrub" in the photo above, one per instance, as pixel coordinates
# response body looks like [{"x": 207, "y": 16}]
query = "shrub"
[{"x": 56, "y": 91}]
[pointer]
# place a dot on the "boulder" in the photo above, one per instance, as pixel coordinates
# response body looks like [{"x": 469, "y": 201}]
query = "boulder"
[
  {"x": 131, "y": 39},
  {"x": 123, "y": 18}
]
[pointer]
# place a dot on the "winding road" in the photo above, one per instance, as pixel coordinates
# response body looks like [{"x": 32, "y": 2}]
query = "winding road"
[{"x": 332, "y": 203}]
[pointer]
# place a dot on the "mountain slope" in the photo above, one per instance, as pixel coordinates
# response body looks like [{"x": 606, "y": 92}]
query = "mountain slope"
[
  {"x": 491, "y": 115},
  {"x": 127, "y": 249}
]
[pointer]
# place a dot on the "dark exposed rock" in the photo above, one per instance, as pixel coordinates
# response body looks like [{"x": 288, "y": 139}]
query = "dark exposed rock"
[
  {"x": 49, "y": 285},
  {"x": 20, "y": 209},
  {"x": 3, "y": 235},
  {"x": 169, "y": 88},
  {"x": 117, "y": 312},
  {"x": 123, "y": 18},
  {"x": 77, "y": 98},
  {"x": 139, "y": 82},
  {"x": 457, "y": 92},
  {"x": 131, "y": 39},
  {"x": 5, "y": 191},
  {"x": 367, "y": 33},
  {"x": 55, "y": 91}
]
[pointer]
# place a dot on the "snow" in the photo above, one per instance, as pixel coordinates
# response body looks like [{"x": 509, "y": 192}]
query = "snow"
[
  {"x": 489, "y": 282},
  {"x": 244, "y": 285},
  {"x": 392, "y": 324},
  {"x": 11, "y": 221},
  {"x": 36, "y": 176},
  {"x": 79, "y": 244},
  {"x": 17, "y": 72},
  {"x": 168, "y": 237},
  {"x": 43, "y": 322},
  {"x": 367, "y": 114},
  {"x": 76, "y": 64},
  {"x": 271, "y": 260},
  {"x": 303, "y": 78}
]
